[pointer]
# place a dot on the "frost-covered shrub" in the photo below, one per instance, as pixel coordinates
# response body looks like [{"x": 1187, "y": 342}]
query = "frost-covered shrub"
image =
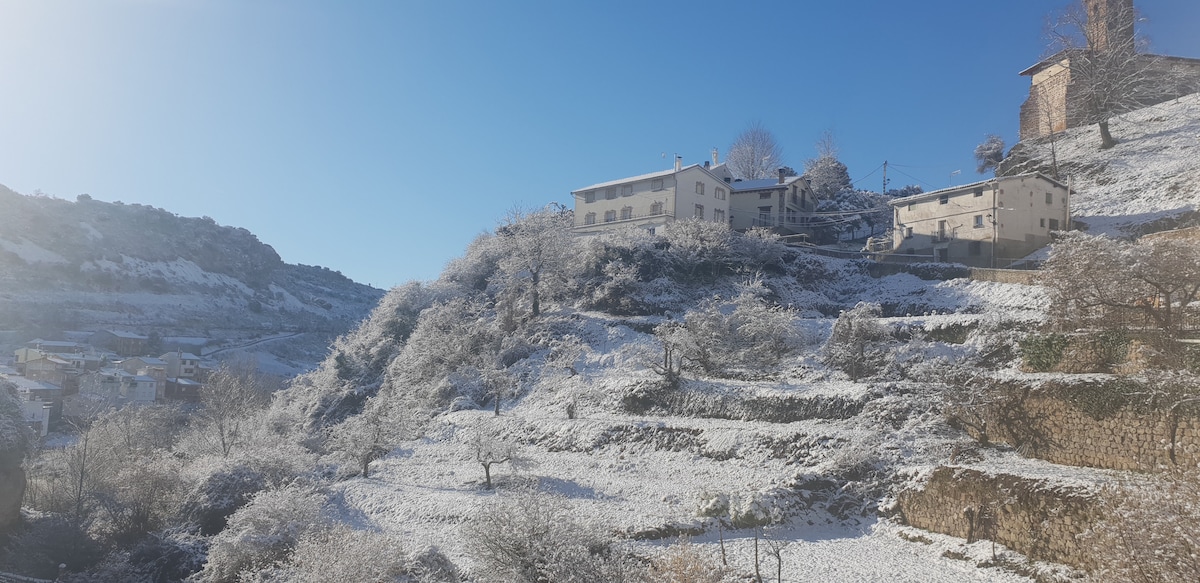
[
  {"x": 625, "y": 272},
  {"x": 686, "y": 563},
  {"x": 342, "y": 553},
  {"x": 529, "y": 537},
  {"x": 16, "y": 439},
  {"x": 210, "y": 503},
  {"x": 698, "y": 249},
  {"x": 746, "y": 332},
  {"x": 450, "y": 337},
  {"x": 1150, "y": 531},
  {"x": 854, "y": 344},
  {"x": 263, "y": 532},
  {"x": 758, "y": 249}
]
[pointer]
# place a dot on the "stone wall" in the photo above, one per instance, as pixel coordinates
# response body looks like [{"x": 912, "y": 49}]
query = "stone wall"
[
  {"x": 1032, "y": 517},
  {"x": 1087, "y": 425}
]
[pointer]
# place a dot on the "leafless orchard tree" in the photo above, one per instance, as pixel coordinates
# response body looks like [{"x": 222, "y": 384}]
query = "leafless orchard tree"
[
  {"x": 1109, "y": 74},
  {"x": 491, "y": 448},
  {"x": 1104, "y": 282},
  {"x": 755, "y": 154}
]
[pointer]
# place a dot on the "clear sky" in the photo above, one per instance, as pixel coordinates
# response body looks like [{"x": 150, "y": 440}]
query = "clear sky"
[{"x": 378, "y": 138}]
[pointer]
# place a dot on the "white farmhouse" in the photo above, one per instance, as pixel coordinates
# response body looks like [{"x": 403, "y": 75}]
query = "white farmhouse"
[
  {"x": 652, "y": 200},
  {"x": 985, "y": 224}
]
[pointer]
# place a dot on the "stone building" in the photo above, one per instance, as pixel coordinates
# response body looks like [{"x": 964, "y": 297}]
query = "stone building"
[{"x": 1056, "y": 100}]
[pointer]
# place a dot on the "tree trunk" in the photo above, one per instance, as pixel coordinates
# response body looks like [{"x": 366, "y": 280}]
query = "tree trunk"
[
  {"x": 487, "y": 476},
  {"x": 1106, "y": 139}
]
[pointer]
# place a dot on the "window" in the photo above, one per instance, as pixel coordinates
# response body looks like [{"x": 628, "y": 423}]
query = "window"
[
  {"x": 764, "y": 195},
  {"x": 719, "y": 193},
  {"x": 908, "y": 234},
  {"x": 975, "y": 248},
  {"x": 764, "y": 215},
  {"x": 627, "y": 190},
  {"x": 656, "y": 208},
  {"x": 699, "y": 211},
  {"x": 943, "y": 199},
  {"x": 656, "y": 184},
  {"x": 1042, "y": 223},
  {"x": 610, "y": 216},
  {"x": 1049, "y": 198},
  {"x": 1053, "y": 224},
  {"x": 719, "y": 215},
  {"x": 610, "y": 193},
  {"x": 699, "y": 188},
  {"x": 627, "y": 213},
  {"x": 589, "y": 196},
  {"x": 979, "y": 191},
  {"x": 941, "y": 232},
  {"x": 589, "y": 219},
  {"x": 978, "y": 221}
]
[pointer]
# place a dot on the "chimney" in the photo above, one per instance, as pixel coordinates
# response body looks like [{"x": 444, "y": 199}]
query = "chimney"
[
  {"x": 706, "y": 164},
  {"x": 714, "y": 157},
  {"x": 678, "y": 162},
  {"x": 780, "y": 171}
]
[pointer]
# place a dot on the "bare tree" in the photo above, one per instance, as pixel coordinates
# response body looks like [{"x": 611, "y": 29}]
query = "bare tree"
[
  {"x": 755, "y": 154},
  {"x": 1103, "y": 281},
  {"x": 1109, "y": 76},
  {"x": 231, "y": 396},
  {"x": 491, "y": 449},
  {"x": 989, "y": 154},
  {"x": 370, "y": 435}
]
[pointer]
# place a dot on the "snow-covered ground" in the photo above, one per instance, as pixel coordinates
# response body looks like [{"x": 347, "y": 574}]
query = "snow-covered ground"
[
  {"x": 628, "y": 474},
  {"x": 1151, "y": 173}
]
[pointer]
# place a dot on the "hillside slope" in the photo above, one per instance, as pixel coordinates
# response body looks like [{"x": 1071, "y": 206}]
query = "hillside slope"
[
  {"x": 88, "y": 265},
  {"x": 1152, "y": 174}
]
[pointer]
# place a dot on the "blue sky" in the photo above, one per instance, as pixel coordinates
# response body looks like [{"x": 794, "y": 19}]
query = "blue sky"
[{"x": 378, "y": 138}]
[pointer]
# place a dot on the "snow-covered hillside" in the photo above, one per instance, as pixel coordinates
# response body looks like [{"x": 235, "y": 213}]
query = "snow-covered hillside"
[
  {"x": 1152, "y": 173},
  {"x": 89, "y": 265}
]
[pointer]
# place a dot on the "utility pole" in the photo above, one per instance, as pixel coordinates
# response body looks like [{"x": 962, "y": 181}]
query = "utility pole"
[{"x": 884, "y": 178}]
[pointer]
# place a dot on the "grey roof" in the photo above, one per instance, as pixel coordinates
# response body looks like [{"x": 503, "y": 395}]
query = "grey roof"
[
  {"x": 761, "y": 184},
  {"x": 123, "y": 334},
  {"x": 964, "y": 187}
]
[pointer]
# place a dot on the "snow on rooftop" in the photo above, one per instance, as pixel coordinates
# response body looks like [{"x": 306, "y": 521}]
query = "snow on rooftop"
[{"x": 649, "y": 176}]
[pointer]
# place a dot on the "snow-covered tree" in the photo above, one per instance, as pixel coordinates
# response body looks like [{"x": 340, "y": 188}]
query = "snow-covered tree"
[
  {"x": 989, "y": 153},
  {"x": 852, "y": 346},
  {"x": 491, "y": 448},
  {"x": 537, "y": 253},
  {"x": 827, "y": 175},
  {"x": 369, "y": 436},
  {"x": 755, "y": 154},
  {"x": 746, "y": 332},
  {"x": 16, "y": 442}
]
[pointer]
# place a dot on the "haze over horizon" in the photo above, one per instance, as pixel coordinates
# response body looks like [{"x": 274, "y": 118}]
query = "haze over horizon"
[{"x": 379, "y": 138}]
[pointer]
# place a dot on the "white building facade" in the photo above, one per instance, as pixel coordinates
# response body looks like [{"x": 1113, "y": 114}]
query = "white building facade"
[{"x": 992, "y": 223}]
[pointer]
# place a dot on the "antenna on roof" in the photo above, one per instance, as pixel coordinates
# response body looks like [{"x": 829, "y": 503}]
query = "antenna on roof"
[{"x": 952, "y": 175}]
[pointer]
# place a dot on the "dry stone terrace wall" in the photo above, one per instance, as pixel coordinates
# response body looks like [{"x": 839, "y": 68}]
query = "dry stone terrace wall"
[
  {"x": 1041, "y": 521},
  {"x": 1074, "y": 427}
]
